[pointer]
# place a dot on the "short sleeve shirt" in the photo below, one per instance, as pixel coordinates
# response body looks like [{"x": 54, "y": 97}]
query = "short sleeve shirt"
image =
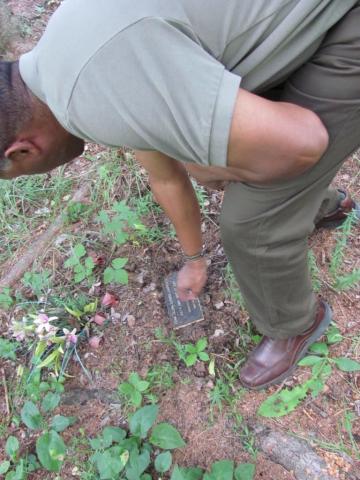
[{"x": 164, "y": 75}]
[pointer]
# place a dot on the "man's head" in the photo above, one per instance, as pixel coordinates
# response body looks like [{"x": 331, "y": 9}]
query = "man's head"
[{"x": 31, "y": 139}]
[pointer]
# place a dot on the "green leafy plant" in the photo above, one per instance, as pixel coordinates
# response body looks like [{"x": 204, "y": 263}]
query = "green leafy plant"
[
  {"x": 77, "y": 210},
  {"x": 8, "y": 349},
  {"x": 189, "y": 353},
  {"x": 82, "y": 267},
  {"x": 14, "y": 467},
  {"x": 287, "y": 400},
  {"x": 121, "y": 223},
  {"x": 121, "y": 454},
  {"x": 349, "y": 280},
  {"x": 116, "y": 273},
  {"x": 38, "y": 282},
  {"x": 134, "y": 389},
  {"x": 6, "y": 301}
]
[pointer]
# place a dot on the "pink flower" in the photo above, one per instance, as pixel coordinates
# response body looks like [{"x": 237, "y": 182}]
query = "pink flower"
[
  {"x": 43, "y": 323},
  {"x": 70, "y": 337}
]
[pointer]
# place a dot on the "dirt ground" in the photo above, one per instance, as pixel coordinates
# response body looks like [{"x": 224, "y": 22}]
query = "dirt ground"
[{"x": 130, "y": 345}]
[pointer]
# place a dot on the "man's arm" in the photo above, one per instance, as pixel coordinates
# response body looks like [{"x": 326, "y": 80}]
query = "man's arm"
[
  {"x": 270, "y": 140},
  {"x": 173, "y": 190}
]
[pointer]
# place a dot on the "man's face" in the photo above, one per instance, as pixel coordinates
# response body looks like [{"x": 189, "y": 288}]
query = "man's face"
[{"x": 55, "y": 150}]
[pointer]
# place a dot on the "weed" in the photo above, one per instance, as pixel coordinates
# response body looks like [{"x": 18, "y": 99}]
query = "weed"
[
  {"x": 82, "y": 267},
  {"x": 189, "y": 353},
  {"x": 232, "y": 288},
  {"x": 134, "y": 389},
  {"x": 116, "y": 273},
  {"x": 343, "y": 282},
  {"x": 160, "y": 377},
  {"x": 6, "y": 301},
  {"x": 38, "y": 282},
  {"x": 314, "y": 271},
  {"x": 287, "y": 400}
]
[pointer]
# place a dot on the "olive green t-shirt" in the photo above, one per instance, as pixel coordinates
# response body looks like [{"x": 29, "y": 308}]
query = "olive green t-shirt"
[{"x": 164, "y": 74}]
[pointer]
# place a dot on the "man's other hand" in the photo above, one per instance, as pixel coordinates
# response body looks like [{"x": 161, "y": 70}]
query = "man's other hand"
[{"x": 191, "y": 279}]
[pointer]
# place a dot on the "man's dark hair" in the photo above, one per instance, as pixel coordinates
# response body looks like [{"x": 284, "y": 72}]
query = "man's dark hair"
[{"x": 14, "y": 109}]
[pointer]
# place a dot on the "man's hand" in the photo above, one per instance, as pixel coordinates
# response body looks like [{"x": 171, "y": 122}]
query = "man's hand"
[{"x": 191, "y": 279}]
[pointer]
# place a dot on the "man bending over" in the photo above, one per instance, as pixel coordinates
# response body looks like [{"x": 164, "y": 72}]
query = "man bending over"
[{"x": 262, "y": 93}]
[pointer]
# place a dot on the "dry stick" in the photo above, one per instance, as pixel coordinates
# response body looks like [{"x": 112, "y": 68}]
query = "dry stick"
[
  {"x": 39, "y": 245},
  {"x": 6, "y": 393}
]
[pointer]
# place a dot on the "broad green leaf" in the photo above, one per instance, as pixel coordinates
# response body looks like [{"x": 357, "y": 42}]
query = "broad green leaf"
[
  {"x": 108, "y": 465},
  {"x": 19, "y": 474},
  {"x": 191, "y": 359},
  {"x": 245, "y": 471},
  {"x": 4, "y": 466},
  {"x": 136, "y": 398},
  {"x": 137, "y": 465},
  {"x": 146, "y": 476},
  {"x": 142, "y": 420},
  {"x": 109, "y": 274},
  {"x": 59, "y": 423},
  {"x": 115, "y": 433},
  {"x": 163, "y": 462},
  {"x": 223, "y": 470},
  {"x": 203, "y": 356},
  {"x": 31, "y": 416},
  {"x": 119, "y": 263},
  {"x": 79, "y": 250},
  {"x": 50, "y": 449},
  {"x": 283, "y": 402},
  {"x": 346, "y": 364},
  {"x": 126, "y": 388},
  {"x": 50, "y": 401},
  {"x": 310, "y": 360},
  {"x": 333, "y": 335},
  {"x": 12, "y": 447},
  {"x": 186, "y": 473},
  {"x": 8, "y": 349},
  {"x": 121, "y": 276},
  {"x": 189, "y": 348},
  {"x": 316, "y": 385},
  {"x": 166, "y": 437},
  {"x": 201, "y": 344},
  {"x": 319, "y": 348}
]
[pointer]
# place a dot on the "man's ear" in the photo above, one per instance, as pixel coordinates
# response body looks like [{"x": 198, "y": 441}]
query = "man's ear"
[{"x": 21, "y": 149}]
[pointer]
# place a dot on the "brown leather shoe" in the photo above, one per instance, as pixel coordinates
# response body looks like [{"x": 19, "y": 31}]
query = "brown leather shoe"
[
  {"x": 274, "y": 359},
  {"x": 338, "y": 216}
]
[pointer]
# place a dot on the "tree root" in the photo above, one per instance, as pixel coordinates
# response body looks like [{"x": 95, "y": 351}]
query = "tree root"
[{"x": 294, "y": 454}]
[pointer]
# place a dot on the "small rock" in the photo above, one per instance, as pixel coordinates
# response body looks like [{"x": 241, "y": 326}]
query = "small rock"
[
  {"x": 61, "y": 239},
  {"x": 150, "y": 288},
  {"x": 210, "y": 385},
  {"x": 131, "y": 321},
  {"x": 219, "y": 305},
  {"x": 218, "y": 333},
  {"x": 357, "y": 407}
]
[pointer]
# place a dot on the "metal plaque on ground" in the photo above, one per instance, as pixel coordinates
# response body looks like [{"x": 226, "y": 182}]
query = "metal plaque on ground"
[{"x": 181, "y": 313}]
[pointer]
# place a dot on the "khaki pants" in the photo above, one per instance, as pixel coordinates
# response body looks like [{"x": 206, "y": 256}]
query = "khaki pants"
[{"x": 265, "y": 229}]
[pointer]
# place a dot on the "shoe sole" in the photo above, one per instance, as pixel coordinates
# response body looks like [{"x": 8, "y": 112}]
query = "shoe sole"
[
  {"x": 315, "y": 336},
  {"x": 337, "y": 223}
]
